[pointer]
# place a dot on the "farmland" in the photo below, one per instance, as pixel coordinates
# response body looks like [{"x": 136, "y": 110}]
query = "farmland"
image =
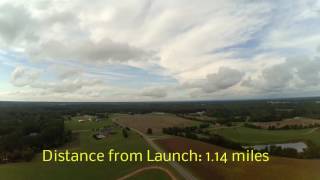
[
  {"x": 276, "y": 168},
  {"x": 155, "y": 121},
  {"x": 252, "y": 136},
  {"x": 297, "y": 121},
  {"x": 213, "y": 123},
  {"x": 39, "y": 170}
]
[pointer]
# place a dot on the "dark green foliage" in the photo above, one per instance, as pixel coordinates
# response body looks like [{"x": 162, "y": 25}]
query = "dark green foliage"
[
  {"x": 24, "y": 133},
  {"x": 222, "y": 141},
  {"x": 249, "y": 125},
  {"x": 205, "y": 125},
  {"x": 149, "y": 131},
  {"x": 125, "y": 133},
  {"x": 313, "y": 151},
  {"x": 192, "y": 131}
]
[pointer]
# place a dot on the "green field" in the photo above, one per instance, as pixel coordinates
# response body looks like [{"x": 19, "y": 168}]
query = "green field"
[
  {"x": 86, "y": 170},
  {"x": 260, "y": 136}
]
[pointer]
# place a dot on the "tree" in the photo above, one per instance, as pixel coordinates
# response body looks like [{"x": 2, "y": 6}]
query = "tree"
[
  {"x": 149, "y": 131},
  {"x": 125, "y": 133}
]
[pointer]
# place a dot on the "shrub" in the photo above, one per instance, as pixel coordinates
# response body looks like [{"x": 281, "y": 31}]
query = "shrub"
[
  {"x": 125, "y": 133},
  {"x": 149, "y": 131}
]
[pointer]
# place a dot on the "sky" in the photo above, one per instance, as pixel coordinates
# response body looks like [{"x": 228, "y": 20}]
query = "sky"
[{"x": 148, "y": 50}]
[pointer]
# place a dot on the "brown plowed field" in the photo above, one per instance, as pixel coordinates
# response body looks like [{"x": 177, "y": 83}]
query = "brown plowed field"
[
  {"x": 142, "y": 122},
  {"x": 276, "y": 168}
]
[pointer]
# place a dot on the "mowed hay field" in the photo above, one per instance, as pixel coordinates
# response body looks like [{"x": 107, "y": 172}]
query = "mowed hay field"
[
  {"x": 252, "y": 136},
  {"x": 38, "y": 170},
  {"x": 155, "y": 121},
  {"x": 277, "y": 168}
]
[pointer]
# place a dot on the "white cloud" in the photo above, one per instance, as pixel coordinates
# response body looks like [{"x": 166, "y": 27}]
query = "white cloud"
[
  {"x": 101, "y": 52},
  {"x": 154, "y": 92},
  {"x": 16, "y": 24},
  {"x": 221, "y": 80},
  {"x": 212, "y": 48},
  {"x": 292, "y": 74},
  {"x": 23, "y": 76}
]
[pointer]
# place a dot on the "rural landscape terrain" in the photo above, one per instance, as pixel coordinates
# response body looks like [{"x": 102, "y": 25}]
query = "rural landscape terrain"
[
  {"x": 159, "y": 90},
  {"x": 288, "y": 129}
]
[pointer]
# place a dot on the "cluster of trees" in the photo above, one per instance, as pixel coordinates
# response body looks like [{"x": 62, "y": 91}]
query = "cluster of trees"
[
  {"x": 149, "y": 131},
  {"x": 236, "y": 111},
  {"x": 23, "y": 133},
  {"x": 194, "y": 118},
  {"x": 313, "y": 151},
  {"x": 193, "y": 131},
  {"x": 264, "y": 110},
  {"x": 187, "y": 131},
  {"x": 294, "y": 126},
  {"x": 286, "y": 127},
  {"x": 125, "y": 132}
]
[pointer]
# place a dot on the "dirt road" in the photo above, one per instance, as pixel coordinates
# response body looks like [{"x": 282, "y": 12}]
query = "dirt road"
[
  {"x": 180, "y": 169},
  {"x": 146, "y": 169}
]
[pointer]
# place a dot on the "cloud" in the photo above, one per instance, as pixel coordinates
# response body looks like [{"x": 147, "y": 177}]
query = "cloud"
[
  {"x": 64, "y": 72},
  {"x": 95, "y": 52},
  {"x": 16, "y": 24},
  {"x": 23, "y": 76},
  {"x": 154, "y": 92},
  {"x": 68, "y": 85},
  {"x": 198, "y": 49},
  {"x": 58, "y": 35},
  {"x": 221, "y": 80},
  {"x": 67, "y": 80},
  {"x": 293, "y": 73},
  {"x": 210, "y": 49}
]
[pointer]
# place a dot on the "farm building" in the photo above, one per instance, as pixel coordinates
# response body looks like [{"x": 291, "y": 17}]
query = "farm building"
[
  {"x": 98, "y": 136},
  {"x": 82, "y": 120},
  {"x": 104, "y": 132}
]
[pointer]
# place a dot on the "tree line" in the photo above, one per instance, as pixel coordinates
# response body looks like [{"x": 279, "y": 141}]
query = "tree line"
[{"x": 23, "y": 134}]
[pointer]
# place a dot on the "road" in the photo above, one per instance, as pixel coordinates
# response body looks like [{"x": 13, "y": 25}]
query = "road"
[
  {"x": 149, "y": 168},
  {"x": 180, "y": 169}
]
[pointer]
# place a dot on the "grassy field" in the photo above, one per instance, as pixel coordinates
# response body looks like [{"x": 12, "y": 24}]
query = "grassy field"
[
  {"x": 65, "y": 171},
  {"x": 277, "y": 168},
  {"x": 155, "y": 121},
  {"x": 260, "y": 136}
]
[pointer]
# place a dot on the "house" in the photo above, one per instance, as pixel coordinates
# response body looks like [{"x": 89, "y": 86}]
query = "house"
[
  {"x": 98, "y": 136},
  {"x": 82, "y": 120},
  {"x": 104, "y": 132}
]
